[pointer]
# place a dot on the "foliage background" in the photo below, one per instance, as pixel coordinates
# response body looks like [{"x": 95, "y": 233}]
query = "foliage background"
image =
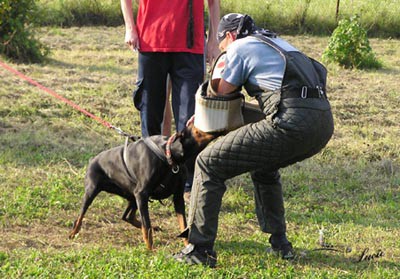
[
  {"x": 351, "y": 189},
  {"x": 17, "y": 34},
  {"x": 318, "y": 17}
]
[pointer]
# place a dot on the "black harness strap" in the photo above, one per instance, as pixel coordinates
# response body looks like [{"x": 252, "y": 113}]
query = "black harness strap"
[
  {"x": 156, "y": 150},
  {"x": 153, "y": 148},
  {"x": 126, "y": 162},
  {"x": 165, "y": 157}
]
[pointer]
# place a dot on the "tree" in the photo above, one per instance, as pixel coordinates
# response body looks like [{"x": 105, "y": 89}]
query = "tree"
[{"x": 16, "y": 32}]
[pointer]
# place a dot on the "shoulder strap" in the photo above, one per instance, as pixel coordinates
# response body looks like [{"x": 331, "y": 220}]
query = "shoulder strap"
[
  {"x": 217, "y": 61},
  {"x": 268, "y": 41},
  {"x": 311, "y": 72},
  {"x": 156, "y": 150},
  {"x": 126, "y": 160}
]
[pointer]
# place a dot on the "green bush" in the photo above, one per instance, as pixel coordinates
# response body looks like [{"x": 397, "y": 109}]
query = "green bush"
[
  {"x": 349, "y": 46},
  {"x": 16, "y": 33}
]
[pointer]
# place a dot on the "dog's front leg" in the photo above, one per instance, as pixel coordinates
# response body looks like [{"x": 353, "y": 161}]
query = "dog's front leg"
[
  {"x": 179, "y": 205},
  {"x": 142, "y": 200}
]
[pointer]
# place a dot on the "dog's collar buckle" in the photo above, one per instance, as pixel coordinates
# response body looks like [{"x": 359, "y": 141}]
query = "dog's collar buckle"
[{"x": 175, "y": 169}]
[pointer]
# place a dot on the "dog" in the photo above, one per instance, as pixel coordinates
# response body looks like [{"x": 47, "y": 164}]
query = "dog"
[{"x": 149, "y": 168}]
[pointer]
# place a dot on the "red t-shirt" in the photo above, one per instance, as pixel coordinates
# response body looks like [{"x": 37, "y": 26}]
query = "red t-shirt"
[{"x": 162, "y": 25}]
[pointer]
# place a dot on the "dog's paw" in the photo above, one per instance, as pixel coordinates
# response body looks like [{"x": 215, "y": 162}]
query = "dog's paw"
[
  {"x": 72, "y": 235},
  {"x": 157, "y": 229}
]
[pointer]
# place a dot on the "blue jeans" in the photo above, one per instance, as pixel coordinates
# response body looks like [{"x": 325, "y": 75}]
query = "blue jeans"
[{"x": 186, "y": 71}]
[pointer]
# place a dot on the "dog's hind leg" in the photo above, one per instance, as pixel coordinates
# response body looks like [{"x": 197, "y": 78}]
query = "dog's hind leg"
[
  {"x": 91, "y": 191},
  {"x": 130, "y": 215}
]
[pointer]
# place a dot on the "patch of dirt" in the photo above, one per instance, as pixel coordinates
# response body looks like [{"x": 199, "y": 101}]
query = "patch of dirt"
[{"x": 107, "y": 231}]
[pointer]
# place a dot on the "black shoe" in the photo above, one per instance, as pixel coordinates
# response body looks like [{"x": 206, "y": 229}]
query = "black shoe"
[
  {"x": 281, "y": 246},
  {"x": 192, "y": 255}
]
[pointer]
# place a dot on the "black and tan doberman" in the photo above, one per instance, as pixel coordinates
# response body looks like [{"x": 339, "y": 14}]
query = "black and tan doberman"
[{"x": 150, "y": 168}]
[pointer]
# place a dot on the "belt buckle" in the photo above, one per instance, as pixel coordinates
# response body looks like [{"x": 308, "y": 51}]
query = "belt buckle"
[
  {"x": 303, "y": 92},
  {"x": 320, "y": 91}
]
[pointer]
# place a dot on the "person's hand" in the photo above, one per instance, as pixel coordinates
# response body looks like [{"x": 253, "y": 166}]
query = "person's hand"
[
  {"x": 132, "y": 39},
  {"x": 212, "y": 52},
  {"x": 190, "y": 121}
]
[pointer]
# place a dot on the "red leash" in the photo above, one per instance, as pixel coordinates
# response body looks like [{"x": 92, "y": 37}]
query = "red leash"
[{"x": 70, "y": 103}]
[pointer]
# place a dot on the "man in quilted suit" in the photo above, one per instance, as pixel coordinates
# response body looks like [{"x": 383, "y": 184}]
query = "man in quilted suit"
[{"x": 290, "y": 89}]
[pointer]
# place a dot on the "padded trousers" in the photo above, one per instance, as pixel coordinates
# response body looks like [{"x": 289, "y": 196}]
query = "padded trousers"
[{"x": 300, "y": 129}]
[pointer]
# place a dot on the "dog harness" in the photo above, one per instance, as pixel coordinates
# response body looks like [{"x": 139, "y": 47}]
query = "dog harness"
[
  {"x": 165, "y": 157},
  {"x": 125, "y": 160}
]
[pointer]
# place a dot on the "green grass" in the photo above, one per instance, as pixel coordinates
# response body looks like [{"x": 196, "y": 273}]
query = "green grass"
[
  {"x": 319, "y": 16},
  {"x": 380, "y": 18},
  {"x": 351, "y": 189}
]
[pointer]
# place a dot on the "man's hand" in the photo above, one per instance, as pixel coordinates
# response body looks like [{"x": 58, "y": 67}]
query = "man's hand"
[
  {"x": 190, "y": 121},
  {"x": 212, "y": 43},
  {"x": 212, "y": 52},
  {"x": 132, "y": 39},
  {"x": 131, "y": 35}
]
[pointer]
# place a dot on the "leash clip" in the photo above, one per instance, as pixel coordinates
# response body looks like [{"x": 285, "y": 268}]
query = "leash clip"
[
  {"x": 125, "y": 134},
  {"x": 304, "y": 92},
  {"x": 119, "y": 131},
  {"x": 122, "y": 133}
]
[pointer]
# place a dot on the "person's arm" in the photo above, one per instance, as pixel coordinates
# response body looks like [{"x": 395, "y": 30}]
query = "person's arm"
[
  {"x": 212, "y": 43},
  {"x": 225, "y": 87},
  {"x": 131, "y": 36},
  {"x": 218, "y": 84}
]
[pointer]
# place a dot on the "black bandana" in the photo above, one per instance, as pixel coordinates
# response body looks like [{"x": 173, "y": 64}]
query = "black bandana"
[{"x": 242, "y": 24}]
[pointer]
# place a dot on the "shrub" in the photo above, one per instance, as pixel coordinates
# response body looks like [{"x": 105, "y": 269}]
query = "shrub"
[
  {"x": 16, "y": 33},
  {"x": 349, "y": 46}
]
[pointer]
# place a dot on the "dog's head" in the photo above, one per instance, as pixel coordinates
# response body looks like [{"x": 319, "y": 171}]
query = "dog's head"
[{"x": 191, "y": 142}]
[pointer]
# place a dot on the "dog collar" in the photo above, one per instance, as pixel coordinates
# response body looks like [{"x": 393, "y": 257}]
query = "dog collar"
[{"x": 175, "y": 167}]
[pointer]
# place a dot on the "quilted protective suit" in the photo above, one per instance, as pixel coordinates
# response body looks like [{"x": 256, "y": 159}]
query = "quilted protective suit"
[{"x": 298, "y": 125}]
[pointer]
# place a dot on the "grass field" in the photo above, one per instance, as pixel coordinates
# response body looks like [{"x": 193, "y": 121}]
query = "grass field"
[
  {"x": 379, "y": 17},
  {"x": 351, "y": 189}
]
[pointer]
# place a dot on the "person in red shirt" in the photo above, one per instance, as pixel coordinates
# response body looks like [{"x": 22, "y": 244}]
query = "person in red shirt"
[{"x": 170, "y": 38}]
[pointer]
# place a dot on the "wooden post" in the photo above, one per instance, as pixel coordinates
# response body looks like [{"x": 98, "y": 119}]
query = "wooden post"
[{"x": 337, "y": 9}]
